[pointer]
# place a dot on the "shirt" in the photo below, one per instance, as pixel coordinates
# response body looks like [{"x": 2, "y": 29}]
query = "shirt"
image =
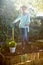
[{"x": 24, "y": 19}]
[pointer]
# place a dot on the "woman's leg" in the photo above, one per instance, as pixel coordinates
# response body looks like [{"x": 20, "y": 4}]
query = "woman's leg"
[
  {"x": 22, "y": 31},
  {"x": 26, "y": 35}
]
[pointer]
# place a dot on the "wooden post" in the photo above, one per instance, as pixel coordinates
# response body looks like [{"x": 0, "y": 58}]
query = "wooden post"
[{"x": 13, "y": 33}]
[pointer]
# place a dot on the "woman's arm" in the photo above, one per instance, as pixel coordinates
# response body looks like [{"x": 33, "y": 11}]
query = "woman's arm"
[{"x": 17, "y": 19}]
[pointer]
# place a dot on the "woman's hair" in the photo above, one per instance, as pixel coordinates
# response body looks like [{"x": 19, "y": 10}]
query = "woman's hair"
[{"x": 23, "y": 7}]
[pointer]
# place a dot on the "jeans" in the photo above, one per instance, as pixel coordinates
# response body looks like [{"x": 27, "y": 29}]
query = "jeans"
[{"x": 24, "y": 34}]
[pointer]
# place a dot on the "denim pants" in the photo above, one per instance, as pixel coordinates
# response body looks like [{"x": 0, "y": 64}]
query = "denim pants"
[{"x": 24, "y": 34}]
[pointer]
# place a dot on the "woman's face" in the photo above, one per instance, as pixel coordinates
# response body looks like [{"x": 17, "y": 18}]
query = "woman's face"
[{"x": 23, "y": 10}]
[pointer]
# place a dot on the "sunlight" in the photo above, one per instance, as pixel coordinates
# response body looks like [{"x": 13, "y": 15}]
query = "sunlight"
[{"x": 40, "y": 14}]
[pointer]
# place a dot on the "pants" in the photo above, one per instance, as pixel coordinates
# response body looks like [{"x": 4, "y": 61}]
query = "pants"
[{"x": 24, "y": 34}]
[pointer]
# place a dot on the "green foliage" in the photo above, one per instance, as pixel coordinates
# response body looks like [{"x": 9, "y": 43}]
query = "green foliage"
[
  {"x": 8, "y": 14},
  {"x": 12, "y": 44},
  {"x": 4, "y": 31}
]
